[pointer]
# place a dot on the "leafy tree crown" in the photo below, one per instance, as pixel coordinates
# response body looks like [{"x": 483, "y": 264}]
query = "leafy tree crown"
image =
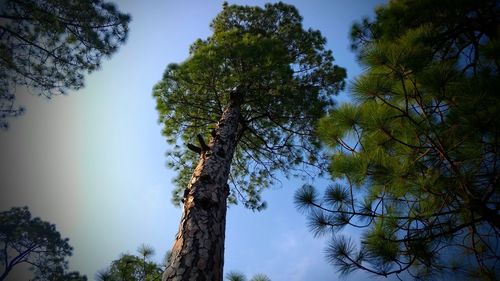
[
  {"x": 281, "y": 73},
  {"x": 34, "y": 242}
]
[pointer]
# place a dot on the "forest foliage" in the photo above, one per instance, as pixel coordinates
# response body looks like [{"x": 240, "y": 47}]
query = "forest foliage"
[
  {"x": 47, "y": 46},
  {"x": 415, "y": 155}
]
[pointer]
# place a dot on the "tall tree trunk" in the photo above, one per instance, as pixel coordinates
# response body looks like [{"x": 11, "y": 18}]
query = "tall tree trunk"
[{"x": 198, "y": 251}]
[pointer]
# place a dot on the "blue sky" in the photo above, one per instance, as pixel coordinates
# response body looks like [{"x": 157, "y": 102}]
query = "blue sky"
[{"x": 93, "y": 162}]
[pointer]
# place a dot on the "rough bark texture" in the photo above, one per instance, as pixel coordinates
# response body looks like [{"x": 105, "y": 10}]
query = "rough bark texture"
[{"x": 198, "y": 251}]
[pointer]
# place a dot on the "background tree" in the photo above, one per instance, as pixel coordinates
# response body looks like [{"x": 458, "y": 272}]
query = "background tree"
[
  {"x": 416, "y": 153},
  {"x": 31, "y": 241},
  {"x": 145, "y": 253},
  {"x": 254, "y": 90},
  {"x": 238, "y": 276},
  {"x": 235, "y": 276},
  {"x": 260, "y": 277},
  {"x": 48, "y": 46},
  {"x": 133, "y": 267}
]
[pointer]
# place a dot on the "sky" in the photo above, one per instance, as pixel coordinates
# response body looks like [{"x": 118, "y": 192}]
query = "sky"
[{"x": 93, "y": 162}]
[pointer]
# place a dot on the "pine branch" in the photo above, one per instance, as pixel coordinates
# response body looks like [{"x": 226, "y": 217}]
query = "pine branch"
[
  {"x": 203, "y": 145},
  {"x": 194, "y": 148}
]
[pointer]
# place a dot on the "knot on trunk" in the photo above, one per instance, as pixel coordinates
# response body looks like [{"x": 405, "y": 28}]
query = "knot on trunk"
[
  {"x": 206, "y": 203},
  {"x": 221, "y": 153}
]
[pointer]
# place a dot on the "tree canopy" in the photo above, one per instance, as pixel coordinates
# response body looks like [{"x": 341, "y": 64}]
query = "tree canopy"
[
  {"x": 48, "y": 46},
  {"x": 36, "y": 243},
  {"x": 415, "y": 155},
  {"x": 284, "y": 78}
]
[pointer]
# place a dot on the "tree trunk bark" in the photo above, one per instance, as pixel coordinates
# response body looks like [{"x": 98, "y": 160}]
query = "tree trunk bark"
[{"x": 198, "y": 251}]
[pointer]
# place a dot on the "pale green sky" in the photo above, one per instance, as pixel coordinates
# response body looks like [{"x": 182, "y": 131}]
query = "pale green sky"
[{"x": 93, "y": 162}]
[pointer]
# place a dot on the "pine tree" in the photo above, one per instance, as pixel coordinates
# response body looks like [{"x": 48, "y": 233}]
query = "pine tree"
[
  {"x": 238, "y": 276},
  {"x": 36, "y": 244},
  {"x": 416, "y": 154},
  {"x": 131, "y": 267},
  {"x": 245, "y": 103},
  {"x": 48, "y": 46}
]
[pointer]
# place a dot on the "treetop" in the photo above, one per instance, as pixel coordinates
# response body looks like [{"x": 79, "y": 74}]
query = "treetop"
[{"x": 281, "y": 73}]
